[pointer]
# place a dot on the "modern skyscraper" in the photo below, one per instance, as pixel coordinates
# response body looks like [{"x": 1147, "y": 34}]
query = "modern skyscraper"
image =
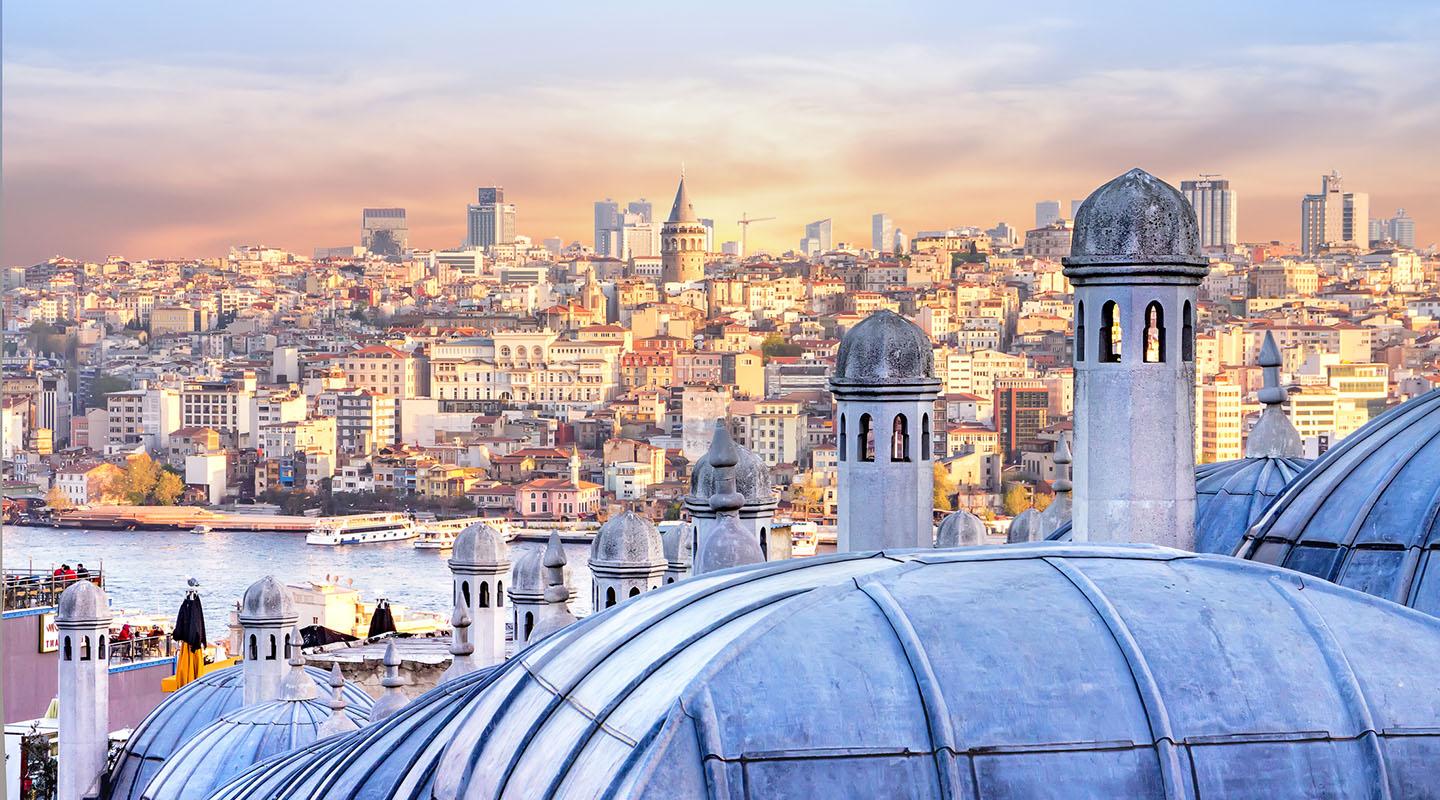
[
  {"x": 491, "y": 220},
  {"x": 1046, "y": 212},
  {"x": 1334, "y": 217},
  {"x": 709, "y": 226},
  {"x": 384, "y": 232},
  {"x": 1402, "y": 229},
  {"x": 682, "y": 242},
  {"x": 1215, "y": 208},
  {"x": 882, "y": 233},
  {"x": 642, "y": 207},
  {"x": 817, "y": 238},
  {"x": 607, "y": 212}
]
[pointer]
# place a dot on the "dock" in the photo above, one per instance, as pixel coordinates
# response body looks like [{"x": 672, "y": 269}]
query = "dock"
[{"x": 166, "y": 518}]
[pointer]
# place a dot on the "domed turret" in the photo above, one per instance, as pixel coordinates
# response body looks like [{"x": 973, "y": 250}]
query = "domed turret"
[
  {"x": 885, "y": 348},
  {"x": 83, "y": 622},
  {"x": 1025, "y": 527},
  {"x": 752, "y": 480},
  {"x": 266, "y": 600},
  {"x": 1136, "y": 219},
  {"x": 479, "y": 545},
  {"x": 266, "y": 616},
  {"x": 727, "y": 543},
  {"x": 960, "y": 529},
  {"x": 627, "y": 557},
  {"x": 479, "y": 565},
  {"x": 527, "y": 594},
  {"x": 678, "y": 540}
]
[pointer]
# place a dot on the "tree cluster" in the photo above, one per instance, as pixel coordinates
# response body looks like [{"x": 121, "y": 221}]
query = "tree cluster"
[{"x": 144, "y": 482}]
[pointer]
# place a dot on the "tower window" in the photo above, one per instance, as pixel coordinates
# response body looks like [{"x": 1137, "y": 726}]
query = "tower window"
[
  {"x": 900, "y": 439},
  {"x": 1154, "y": 333},
  {"x": 1187, "y": 334},
  {"x": 484, "y": 594},
  {"x": 101, "y": 655},
  {"x": 254, "y": 649},
  {"x": 499, "y": 594},
  {"x": 529, "y": 624},
  {"x": 1110, "y": 332},
  {"x": 634, "y": 591},
  {"x": 843, "y": 435},
  {"x": 69, "y": 654},
  {"x": 271, "y": 657},
  {"x": 610, "y": 597},
  {"x": 925, "y": 437},
  {"x": 84, "y": 648},
  {"x": 865, "y": 439},
  {"x": 1079, "y": 331}
]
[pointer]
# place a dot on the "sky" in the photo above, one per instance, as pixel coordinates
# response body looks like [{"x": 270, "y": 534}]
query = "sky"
[{"x": 161, "y": 129}]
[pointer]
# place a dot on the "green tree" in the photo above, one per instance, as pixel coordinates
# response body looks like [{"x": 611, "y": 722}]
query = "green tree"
[
  {"x": 137, "y": 482},
  {"x": 168, "y": 489},
  {"x": 945, "y": 488},
  {"x": 775, "y": 345},
  {"x": 1016, "y": 499},
  {"x": 57, "y": 500}
]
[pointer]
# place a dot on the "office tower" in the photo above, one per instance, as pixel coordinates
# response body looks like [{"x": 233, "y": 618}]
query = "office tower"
[
  {"x": 682, "y": 242},
  {"x": 607, "y": 211},
  {"x": 902, "y": 242},
  {"x": 709, "y": 226},
  {"x": 1022, "y": 408},
  {"x": 1379, "y": 230},
  {"x": 1215, "y": 209},
  {"x": 634, "y": 237},
  {"x": 644, "y": 208},
  {"x": 1046, "y": 212},
  {"x": 817, "y": 238},
  {"x": 491, "y": 220},
  {"x": 882, "y": 233},
  {"x": 383, "y": 231},
  {"x": 1333, "y": 217},
  {"x": 1402, "y": 229}
]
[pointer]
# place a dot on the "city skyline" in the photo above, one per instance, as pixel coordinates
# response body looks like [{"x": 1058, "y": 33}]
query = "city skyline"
[{"x": 211, "y": 139}]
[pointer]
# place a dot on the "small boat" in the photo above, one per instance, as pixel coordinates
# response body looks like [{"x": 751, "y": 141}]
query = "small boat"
[
  {"x": 200, "y": 530},
  {"x": 362, "y": 529},
  {"x": 434, "y": 540}
]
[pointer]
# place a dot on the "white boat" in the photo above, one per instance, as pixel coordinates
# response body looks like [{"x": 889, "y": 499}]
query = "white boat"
[
  {"x": 440, "y": 534},
  {"x": 200, "y": 530},
  {"x": 434, "y": 540},
  {"x": 362, "y": 529}
]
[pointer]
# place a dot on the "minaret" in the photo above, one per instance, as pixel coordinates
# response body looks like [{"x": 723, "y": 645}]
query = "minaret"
[
  {"x": 885, "y": 389},
  {"x": 1060, "y": 509},
  {"x": 727, "y": 543},
  {"x": 627, "y": 558},
  {"x": 266, "y": 616},
  {"x": 338, "y": 721},
  {"x": 1135, "y": 265},
  {"x": 392, "y": 699},
  {"x": 555, "y": 614},
  {"x": 1274, "y": 435},
  {"x": 752, "y": 479},
  {"x": 527, "y": 595},
  {"x": 461, "y": 660},
  {"x": 83, "y": 619},
  {"x": 480, "y": 562},
  {"x": 682, "y": 242}
]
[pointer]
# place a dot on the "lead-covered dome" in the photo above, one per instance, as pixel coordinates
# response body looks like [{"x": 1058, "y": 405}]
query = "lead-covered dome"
[
  {"x": 627, "y": 540},
  {"x": 186, "y": 712},
  {"x": 885, "y": 349},
  {"x": 1364, "y": 515},
  {"x": 752, "y": 479},
  {"x": 985, "y": 672},
  {"x": 480, "y": 545},
  {"x": 960, "y": 529},
  {"x": 1135, "y": 219},
  {"x": 83, "y": 603},
  {"x": 266, "y": 600}
]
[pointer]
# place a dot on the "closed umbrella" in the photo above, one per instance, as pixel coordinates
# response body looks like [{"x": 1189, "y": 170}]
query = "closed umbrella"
[
  {"x": 381, "y": 622},
  {"x": 190, "y": 633}
]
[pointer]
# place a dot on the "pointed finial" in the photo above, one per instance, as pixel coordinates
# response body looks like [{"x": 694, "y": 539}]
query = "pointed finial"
[
  {"x": 1062, "y": 463},
  {"x": 298, "y": 685},
  {"x": 392, "y": 699},
  {"x": 461, "y": 650},
  {"x": 338, "y": 721},
  {"x": 1274, "y": 435},
  {"x": 555, "y": 589},
  {"x": 723, "y": 457}
]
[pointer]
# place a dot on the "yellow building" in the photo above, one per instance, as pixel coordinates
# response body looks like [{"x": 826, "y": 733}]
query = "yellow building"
[{"x": 1218, "y": 416}]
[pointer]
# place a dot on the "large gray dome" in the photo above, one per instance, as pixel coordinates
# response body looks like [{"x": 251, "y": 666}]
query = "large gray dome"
[
  {"x": 266, "y": 600},
  {"x": 1366, "y": 514},
  {"x": 186, "y": 712},
  {"x": 480, "y": 545},
  {"x": 752, "y": 479},
  {"x": 83, "y": 603},
  {"x": 1020, "y": 671},
  {"x": 885, "y": 348},
  {"x": 628, "y": 540},
  {"x": 1135, "y": 219}
]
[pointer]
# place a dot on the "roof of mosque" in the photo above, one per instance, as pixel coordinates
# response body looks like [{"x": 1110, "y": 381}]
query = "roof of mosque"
[
  {"x": 1135, "y": 219},
  {"x": 1004, "y": 671},
  {"x": 1364, "y": 514},
  {"x": 183, "y": 714},
  {"x": 267, "y": 599},
  {"x": 393, "y": 758},
  {"x": 479, "y": 545},
  {"x": 752, "y": 479},
  {"x": 1229, "y": 497},
  {"x": 627, "y": 539},
  {"x": 885, "y": 349}
]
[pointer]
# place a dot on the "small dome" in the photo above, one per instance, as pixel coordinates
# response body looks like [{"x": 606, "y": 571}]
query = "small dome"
[
  {"x": 267, "y": 600},
  {"x": 480, "y": 545},
  {"x": 527, "y": 576},
  {"x": 186, "y": 712},
  {"x": 679, "y": 542},
  {"x": 1105, "y": 670},
  {"x": 1366, "y": 513},
  {"x": 628, "y": 540},
  {"x": 752, "y": 479},
  {"x": 1135, "y": 219},
  {"x": 885, "y": 349},
  {"x": 1025, "y": 527},
  {"x": 727, "y": 544},
  {"x": 960, "y": 529},
  {"x": 83, "y": 603}
]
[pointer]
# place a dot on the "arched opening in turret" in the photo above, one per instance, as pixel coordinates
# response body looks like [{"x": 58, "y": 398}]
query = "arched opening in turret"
[
  {"x": 273, "y": 643},
  {"x": 765, "y": 544},
  {"x": 925, "y": 437},
  {"x": 254, "y": 648},
  {"x": 499, "y": 594},
  {"x": 634, "y": 591},
  {"x": 529, "y": 624},
  {"x": 1079, "y": 331},
  {"x": 843, "y": 435},
  {"x": 865, "y": 439},
  {"x": 484, "y": 594},
  {"x": 465, "y": 592},
  {"x": 69, "y": 653},
  {"x": 1154, "y": 333},
  {"x": 84, "y": 648},
  {"x": 669, "y": 580},
  {"x": 900, "y": 439},
  {"x": 1187, "y": 334},
  {"x": 1110, "y": 332},
  {"x": 609, "y": 597},
  {"x": 287, "y": 645},
  {"x": 101, "y": 653}
]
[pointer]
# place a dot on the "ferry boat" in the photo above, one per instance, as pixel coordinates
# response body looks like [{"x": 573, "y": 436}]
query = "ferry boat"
[
  {"x": 440, "y": 535},
  {"x": 434, "y": 540},
  {"x": 362, "y": 529}
]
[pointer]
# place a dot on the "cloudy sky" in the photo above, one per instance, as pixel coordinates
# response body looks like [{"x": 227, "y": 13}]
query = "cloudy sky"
[{"x": 178, "y": 129}]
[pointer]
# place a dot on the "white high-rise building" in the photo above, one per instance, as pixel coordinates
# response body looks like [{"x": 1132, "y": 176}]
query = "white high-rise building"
[
  {"x": 1216, "y": 210},
  {"x": 491, "y": 221},
  {"x": 1402, "y": 229},
  {"x": 882, "y": 233},
  {"x": 1334, "y": 217},
  {"x": 817, "y": 238},
  {"x": 1047, "y": 212}
]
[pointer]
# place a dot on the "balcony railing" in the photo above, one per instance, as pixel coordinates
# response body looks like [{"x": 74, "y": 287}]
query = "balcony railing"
[
  {"x": 143, "y": 648},
  {"x": 40, "y": 589}
]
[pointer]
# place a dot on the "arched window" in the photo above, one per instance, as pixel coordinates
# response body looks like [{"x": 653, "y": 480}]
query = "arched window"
[
  {"x": 271, "y": 657},
  {"x": 865, "y": 439},
  {"x": 1187, "y": 334},
  {"x": 900, "y": 439},
  {"x": 1111, "y": 334},
  {"x": 287, "y": 645},
  {"x": 529, "y": 624},
  {"x": 765, "y": 544},
  {"x": 925, "y": 438},
  {"x": 669, "y": 580},
  {"x": 1079, "y": 331},
  {"x": 254, "y": 649},
  {"x": 634, "y": 590},
  {"x": 500, "y": 594},
  {"x": 84, "y": 648},
  {"x": 842, "y": 437},
  {"x": 1154, "y": 333},
  {"x": 69, "y": 653},
  {"x": 465, "y": 592},
  {"x": 610, "y": 597},
  {"x": 101, "y": 654}
]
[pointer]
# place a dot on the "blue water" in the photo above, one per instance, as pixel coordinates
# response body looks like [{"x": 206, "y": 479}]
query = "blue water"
[{"x": 146, "y": 571}]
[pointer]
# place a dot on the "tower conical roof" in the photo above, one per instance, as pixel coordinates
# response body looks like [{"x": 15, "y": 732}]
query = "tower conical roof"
[{"x": 682, "y": 211}]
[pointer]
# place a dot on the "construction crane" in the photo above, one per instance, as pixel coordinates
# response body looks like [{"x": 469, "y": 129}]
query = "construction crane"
[{"x": 744, "y": 223}]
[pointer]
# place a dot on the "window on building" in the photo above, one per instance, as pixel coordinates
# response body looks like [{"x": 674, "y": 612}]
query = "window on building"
[
  {"x": 1110, "y": 332},
  {"x": 925, "y": 438},
  {"x": 843, "y": 436},
  {"x": 1187, "y": 334},
  {"x": 1079, "y": 331},
  {"x": 865, "y": 439},
  {"x": 609, "y": 597},
  {"x": 1154, "y": 333},
  {"x": 900, "y": 439},
  {"x": 484, "y": 594}
]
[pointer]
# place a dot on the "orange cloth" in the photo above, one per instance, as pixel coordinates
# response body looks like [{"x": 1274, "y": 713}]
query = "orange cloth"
[{"x": 188, "y": 665}]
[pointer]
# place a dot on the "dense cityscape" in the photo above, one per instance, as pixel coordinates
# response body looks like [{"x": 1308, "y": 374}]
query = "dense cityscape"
[{"x": 546, "y": 380}]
